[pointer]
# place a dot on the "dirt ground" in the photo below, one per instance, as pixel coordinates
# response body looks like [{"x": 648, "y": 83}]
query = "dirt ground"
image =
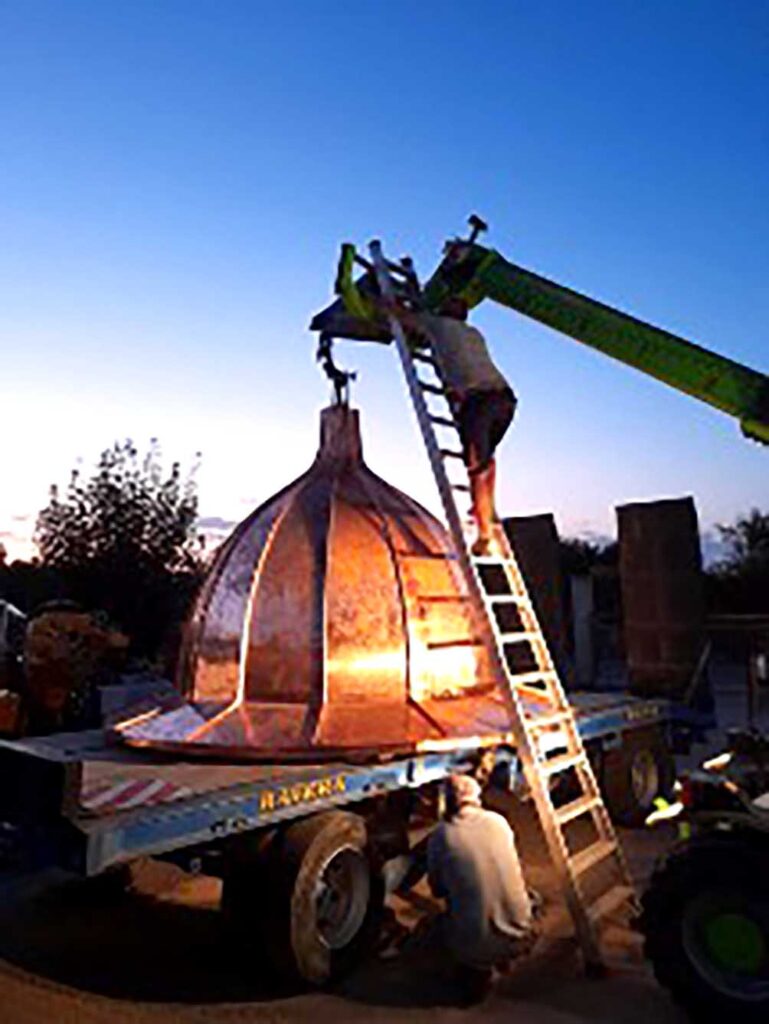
[{"x": 72, "y": 954}]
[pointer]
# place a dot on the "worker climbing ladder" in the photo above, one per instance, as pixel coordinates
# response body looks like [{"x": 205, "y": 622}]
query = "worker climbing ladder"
[{"x": 593, "y": 876}]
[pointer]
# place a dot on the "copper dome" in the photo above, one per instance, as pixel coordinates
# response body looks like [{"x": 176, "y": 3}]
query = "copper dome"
[{"x": 334, "y": 619}]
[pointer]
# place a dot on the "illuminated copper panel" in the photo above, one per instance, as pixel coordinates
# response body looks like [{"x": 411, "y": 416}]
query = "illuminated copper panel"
[{"x": 335, "y": 619}]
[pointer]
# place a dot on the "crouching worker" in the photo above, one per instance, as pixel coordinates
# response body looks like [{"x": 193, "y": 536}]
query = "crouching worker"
[{"x": 473, "y": 864}]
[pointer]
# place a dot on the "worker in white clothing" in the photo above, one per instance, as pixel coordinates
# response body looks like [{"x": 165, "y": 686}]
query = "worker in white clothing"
[{"x": 473, "y": 864}]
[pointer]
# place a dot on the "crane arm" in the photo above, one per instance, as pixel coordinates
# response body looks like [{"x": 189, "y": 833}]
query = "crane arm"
[{"x": 475, "y": 273}]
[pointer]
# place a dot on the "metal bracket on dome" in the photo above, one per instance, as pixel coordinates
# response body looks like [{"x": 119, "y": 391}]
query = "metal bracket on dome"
[{"x": 340, "y": 379}]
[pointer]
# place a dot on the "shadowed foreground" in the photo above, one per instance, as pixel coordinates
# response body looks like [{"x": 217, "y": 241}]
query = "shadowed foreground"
[{"x": 77, "y": 956}]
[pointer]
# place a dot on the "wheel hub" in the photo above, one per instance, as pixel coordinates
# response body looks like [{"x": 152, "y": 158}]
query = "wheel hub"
[
  {"x": 736, "y": 943},
  {"x": 644, "y": 778},
  {"x": 727, "y": 941},
  {"x": 342, "y": 897}
]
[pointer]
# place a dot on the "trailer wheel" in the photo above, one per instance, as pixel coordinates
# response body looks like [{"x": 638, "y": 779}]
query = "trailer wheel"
[
  {"x": 635, "y": 774},
  {"x": 314, "y": 900},
  {"x": 705, "y": 922}
]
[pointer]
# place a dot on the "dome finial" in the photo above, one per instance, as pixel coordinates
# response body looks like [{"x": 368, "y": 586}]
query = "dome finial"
[{"x": 339, "y": 434}]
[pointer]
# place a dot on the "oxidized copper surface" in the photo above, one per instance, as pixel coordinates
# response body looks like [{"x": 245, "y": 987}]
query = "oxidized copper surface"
[{"x": 334, "y": 619}]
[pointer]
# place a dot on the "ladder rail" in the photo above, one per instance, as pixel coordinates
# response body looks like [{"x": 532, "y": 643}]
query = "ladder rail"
[
  {"x": 569, "y": 866},
  {"x": 422, "y": 413},
  {"x": 589, "y": 783},
  {"x": 449, "y": 507}
]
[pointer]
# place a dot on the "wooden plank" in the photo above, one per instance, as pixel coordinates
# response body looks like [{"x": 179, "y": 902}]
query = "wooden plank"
[
  {"x": 592, "y": 855},
  {"x": 611, "y": 901},
  {"x": 582, "y": 805}
]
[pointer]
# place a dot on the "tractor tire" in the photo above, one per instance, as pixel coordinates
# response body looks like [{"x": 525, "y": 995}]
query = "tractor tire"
[
  {"x": 635, "y": 774},
  {"x": 705, "y": 921},
  {"x": 312, "y": 903}
]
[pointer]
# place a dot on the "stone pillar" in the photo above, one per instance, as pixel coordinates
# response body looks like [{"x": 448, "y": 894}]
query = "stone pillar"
[
  {"x": 662, "y": 594},
  {"x": 535, "y": 543}
]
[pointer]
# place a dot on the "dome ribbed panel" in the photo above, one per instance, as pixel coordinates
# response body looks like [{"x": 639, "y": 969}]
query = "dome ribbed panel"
[
  {"x": 284, "y": 661},
  {"x": 211, "y": 662}
]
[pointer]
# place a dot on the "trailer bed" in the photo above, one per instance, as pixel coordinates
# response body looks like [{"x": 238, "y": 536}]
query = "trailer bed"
[{"x": 105, "y": 804}]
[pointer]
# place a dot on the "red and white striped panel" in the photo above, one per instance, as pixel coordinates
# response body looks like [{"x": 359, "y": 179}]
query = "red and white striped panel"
[{"x": 125, "y": 794}]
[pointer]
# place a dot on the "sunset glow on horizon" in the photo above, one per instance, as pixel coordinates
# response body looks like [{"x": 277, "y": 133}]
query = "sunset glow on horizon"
[{"x": 180, "y": 178}]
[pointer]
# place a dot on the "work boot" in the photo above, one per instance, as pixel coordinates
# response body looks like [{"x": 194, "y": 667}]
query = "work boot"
[{"x": 482, "y": 547}]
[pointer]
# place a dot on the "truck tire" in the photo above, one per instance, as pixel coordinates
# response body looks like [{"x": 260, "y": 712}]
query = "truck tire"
[
  {"x": 705, "y": 922},
  {"x": 313, "y": 902},
  {"x": 635, "y": 774}
]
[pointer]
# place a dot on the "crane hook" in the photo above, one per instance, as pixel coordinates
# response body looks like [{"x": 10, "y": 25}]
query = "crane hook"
[{"x": 340, "y": 379}]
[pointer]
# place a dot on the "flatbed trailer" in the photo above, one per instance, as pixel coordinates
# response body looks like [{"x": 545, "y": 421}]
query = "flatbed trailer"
[
  {"x": 93, "y": 805},
  {"x": 84, "y": 804}
]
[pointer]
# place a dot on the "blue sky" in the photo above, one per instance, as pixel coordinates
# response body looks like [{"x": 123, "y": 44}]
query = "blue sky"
[{"x": 176, "y": 178}]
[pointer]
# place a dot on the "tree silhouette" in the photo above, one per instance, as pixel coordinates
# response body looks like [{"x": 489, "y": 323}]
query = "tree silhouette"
[
  {"x": 740, "y": 581},
  {"x": 748, "y": 543},
  {"x": 579, "y": 556},
  {"x": 124, "y": 541}
]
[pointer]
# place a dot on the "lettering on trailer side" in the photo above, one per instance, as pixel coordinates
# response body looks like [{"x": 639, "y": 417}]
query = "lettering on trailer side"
[{"x": 301, "y": 793}]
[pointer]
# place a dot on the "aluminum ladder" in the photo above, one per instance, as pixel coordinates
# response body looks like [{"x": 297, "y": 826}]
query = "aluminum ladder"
[{"x": 593, "y": 876}]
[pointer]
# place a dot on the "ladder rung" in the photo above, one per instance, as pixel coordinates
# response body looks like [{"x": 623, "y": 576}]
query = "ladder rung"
[
  {"x": 443, "y": 421},
  {"x": 431, "y": 389},
  {"x": 525, "y": 678},
  {"x": 521, "y": 637},
  {"x": 546, "y": 721},
  {"x": 610, "y": 901},
  {"x": 562, "y": 763},
  {"x": 460, "y": 487},
  {"x": 443, "y": 598},
  {"x": 508, "y": 598},
  {"x": 568, "y": 812},
  {"x": 592, "y": 855},
  {"x": 423, "y": 357},
  {"x": 534, "y": 693},
  {"x": 493, "y": 560},
  {"x": 469, "y": 641},
  {"x": 449, "y": 453}
]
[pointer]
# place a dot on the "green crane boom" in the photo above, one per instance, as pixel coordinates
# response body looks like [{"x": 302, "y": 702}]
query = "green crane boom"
[{"x": 475, "y": 273}]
